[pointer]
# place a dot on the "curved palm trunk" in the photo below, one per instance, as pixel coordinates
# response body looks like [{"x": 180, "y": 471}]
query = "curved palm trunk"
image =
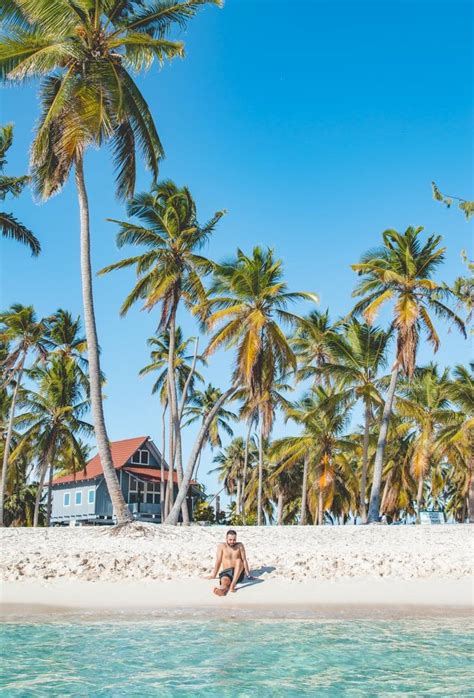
[
  {"x": 280, "y": 505},
  {"x": 365, "y": 458},
  {"x": 8, "y": 440},
  {"x": 304, "y": 492},
  {"x": 238, "y": 496},
  {"x": 244, "y": 475},
  {"x": 260, "y": 475},
  {"x": 471, "y": 491},
  {"x": 169, "y": 497},
  {"x": 39, "y": 493},
  {"x": 382, "y": 440},
  {"x": 173, "y": 516},
  {"x": 174, "y": 415},
  {"x": 120, "y": 509},
  {"x": 163, "y": 471}
]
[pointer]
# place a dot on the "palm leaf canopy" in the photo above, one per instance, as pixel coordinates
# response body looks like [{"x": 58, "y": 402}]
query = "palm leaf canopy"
[
  {"x": 401, "y": 271},
  {"x": 85, "y": 51}
]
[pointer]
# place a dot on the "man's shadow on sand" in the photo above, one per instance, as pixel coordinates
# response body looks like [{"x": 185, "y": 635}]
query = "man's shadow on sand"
[{"x": 256, "y": 573}]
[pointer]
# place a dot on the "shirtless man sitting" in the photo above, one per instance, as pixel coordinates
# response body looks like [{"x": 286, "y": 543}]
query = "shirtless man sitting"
[{"x": 232, "y": 562}]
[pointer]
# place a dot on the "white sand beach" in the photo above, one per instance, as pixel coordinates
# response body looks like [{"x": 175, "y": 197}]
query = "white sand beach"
[{"x": 150, "y": 566}]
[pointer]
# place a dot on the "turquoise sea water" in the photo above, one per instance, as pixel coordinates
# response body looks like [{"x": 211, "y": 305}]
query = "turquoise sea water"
[{"x": 215, "y": 657}]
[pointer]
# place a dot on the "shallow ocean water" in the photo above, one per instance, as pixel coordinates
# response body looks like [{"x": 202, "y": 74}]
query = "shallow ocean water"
[{"x": 218, "y": 657}]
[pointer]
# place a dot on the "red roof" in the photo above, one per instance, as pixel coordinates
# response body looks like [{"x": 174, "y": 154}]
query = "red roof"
[{"x": 122, "y": 451}]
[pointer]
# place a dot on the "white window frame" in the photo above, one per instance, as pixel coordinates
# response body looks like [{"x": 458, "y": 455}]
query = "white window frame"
[
  {"x": 77, "y": 494},
  {"x": 140, "y": 455},
  {"x": 89, "y": 493},
  {"x": 66, "y": 494}
]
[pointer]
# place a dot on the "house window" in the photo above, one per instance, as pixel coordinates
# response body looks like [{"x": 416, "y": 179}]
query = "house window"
[
  {"x": 133, "y": 490},
  {"x": 141, "y": 457},
  {"x": 67, "y": 499},
  {"x": 91, "y": 497},
  {"x": 78, "y": 497}
]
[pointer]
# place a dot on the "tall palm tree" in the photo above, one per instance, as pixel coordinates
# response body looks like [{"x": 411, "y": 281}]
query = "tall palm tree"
[
  {"x": 456, "y": 440},
  {"x": 169, "y": 271},
  {"x": 311, "y": 344},
  {"x": 83, "y": 53},
  {"x": 199, "y": 406},
  {"x": 19, "y": 328},
  {"x": 54, "y": 418},
  {"x": 230, "y": 469},
  {"x": 65, "y": 338},
  {"x": 321, "y": 445},
  {"x": 250, "y": 298},
  {"x": 186, "y": 375},
  {"x": 356, "y": 357},
  {"x": 10, "y": 227},
  {"x": 424, "y": 402},
  {"x": 401, "y": 272}
]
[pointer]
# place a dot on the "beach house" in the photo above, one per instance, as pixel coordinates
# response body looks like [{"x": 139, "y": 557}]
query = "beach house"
[{"x": 83, "y": 497}]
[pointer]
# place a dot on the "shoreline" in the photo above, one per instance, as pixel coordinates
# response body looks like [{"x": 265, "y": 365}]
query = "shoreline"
[{"x": 263, "y": 599}]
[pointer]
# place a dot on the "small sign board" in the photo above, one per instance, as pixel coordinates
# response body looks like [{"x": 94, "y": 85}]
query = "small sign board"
[{"x": 430, "y": 518}]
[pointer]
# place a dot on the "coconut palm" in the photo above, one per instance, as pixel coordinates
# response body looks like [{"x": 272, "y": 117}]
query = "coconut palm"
[
  {"x": 230, "y": 469},
  {"x": 25, "y": 334},
  {"x": 10, "y": 227},
  {"x": 456, "y": 440},
  {"x": 356, "y": 357},
  {"x": 65, "y": 338},
  {"x": 424, "y": 402},
  {"x": 311, "y": 344},
  {"x": 250, "y": 298},
  {"x": 83, "y": 52},
  {"x": 321, "y": 445},
  {"x": 200, "y": 405},
  {"x": 169, "y": 271},
  {"x": 53, "y": 419},
  {"x": 401, "y": 272}
]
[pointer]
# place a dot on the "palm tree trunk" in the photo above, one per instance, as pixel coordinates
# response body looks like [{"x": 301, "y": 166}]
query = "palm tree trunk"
[
  {"x": 169, "y": 499},
  {"x": 238, "y": 496},
  {"x": 365, "y": 458},
  {"x": 471, "y": 491},
  {"x": 49, "y": 506},
  {"x": 419, "y": 497},
  {"x": 120, "y": 509},
  {"x": 382, "y": 440},
  {"x": 320, "y": 508},
  {"x": 8, "y": 440},
  {"x": 280, "y": 505},
  {"x": 304, "y": 492},
  {"x": 260, "y": 475},
  {"x": 173, "y": 516},
  {"x": 246, "y": 460},
  {"x": 173, "y": 400},
  {"x": 39, "y": 493},
  {"x": 163, "y": 471}
]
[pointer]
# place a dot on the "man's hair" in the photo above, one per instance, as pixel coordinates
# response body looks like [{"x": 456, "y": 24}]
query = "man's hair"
[{"x": 231, "y": 532}]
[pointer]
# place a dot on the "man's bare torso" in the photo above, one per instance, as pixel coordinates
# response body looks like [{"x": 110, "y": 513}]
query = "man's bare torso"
[{"x": 230, "y": 554}]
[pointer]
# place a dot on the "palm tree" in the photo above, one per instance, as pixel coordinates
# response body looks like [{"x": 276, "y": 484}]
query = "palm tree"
[
  {"x": 456, "y": 440},
  {"x": 83, "y": 53},
  {"x": 230, "y": 469},
  {"x": 186, "y": 374},
  {"x": 311, "y": 344},
  {"x": 199, "y": 406},
  {"x": 401, "y": 272},
  {"x": 53, "y": 419},
  {"x": 171, "y": 270},
  {"x": 65, "y": 338},
  {"x": 20, "y": 328},
  {"x": 9, "y": 226},
  {"x": 321, "y": 445},
  {"x": 357, "y": 356},
  {"x": 250, "y": 298},
  {"x": 424, "y": 402}
]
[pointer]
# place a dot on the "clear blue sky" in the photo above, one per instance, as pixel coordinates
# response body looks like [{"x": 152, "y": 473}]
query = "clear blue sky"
[{"x": 317, "y": 125}]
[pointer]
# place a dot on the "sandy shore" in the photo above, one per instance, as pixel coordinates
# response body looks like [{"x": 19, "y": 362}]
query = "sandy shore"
[{"x": 309, "y": 567}]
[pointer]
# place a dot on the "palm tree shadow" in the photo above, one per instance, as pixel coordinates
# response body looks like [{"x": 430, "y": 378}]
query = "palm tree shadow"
[{"x": 257, "y": 573}]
